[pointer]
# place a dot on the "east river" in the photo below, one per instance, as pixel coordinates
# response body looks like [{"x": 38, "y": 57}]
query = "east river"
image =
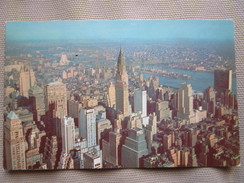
[{"x": 201, "y": 81}]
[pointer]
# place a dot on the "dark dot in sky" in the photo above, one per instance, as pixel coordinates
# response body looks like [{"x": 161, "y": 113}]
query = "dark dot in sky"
[{"x": 76, "y": 55}]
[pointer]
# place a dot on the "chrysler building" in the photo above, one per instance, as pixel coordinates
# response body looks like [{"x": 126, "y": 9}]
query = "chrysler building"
[{"x": 121, "y": 86}]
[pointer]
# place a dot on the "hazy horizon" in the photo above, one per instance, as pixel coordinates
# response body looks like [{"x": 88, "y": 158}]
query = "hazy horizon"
[{"x": 120, "y": 30}]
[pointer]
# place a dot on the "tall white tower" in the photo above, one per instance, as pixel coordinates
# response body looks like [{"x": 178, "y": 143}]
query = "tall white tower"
[
  {"x": 68, "y": 134},
  {"x": 87, "y": 126},
  {"x": 140, "y": 102}
]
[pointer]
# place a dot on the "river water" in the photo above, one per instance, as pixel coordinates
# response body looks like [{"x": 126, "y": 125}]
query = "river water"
[{"x": 202, "y": 80}]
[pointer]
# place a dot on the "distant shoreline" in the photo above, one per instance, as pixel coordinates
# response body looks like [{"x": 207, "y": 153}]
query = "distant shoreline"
[{"x": 208, "y": 71}]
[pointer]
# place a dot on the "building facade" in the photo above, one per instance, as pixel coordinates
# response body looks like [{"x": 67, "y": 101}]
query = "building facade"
[
  {"x": 140, "y": 102},
  {"x": 55, "y": 106},
  {"x": 121, "y": 87},
  {"x": 14, "y": 143},
  {"x": 185, "y": 103},
  {"x": 87, "y": 126},
  {"x": 222, "y": 80},
  {"x": 36, "y": 96},
  {"x": 68, "y": 134},
  {"x": 134, "y": 148},
  {"x": 26, "y": 80}
]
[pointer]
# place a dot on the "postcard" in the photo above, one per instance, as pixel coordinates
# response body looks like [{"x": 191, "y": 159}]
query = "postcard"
[{"x": 100, "y": 94}]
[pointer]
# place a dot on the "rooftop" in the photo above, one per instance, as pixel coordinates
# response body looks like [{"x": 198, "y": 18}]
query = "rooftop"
[
  {"x": 55, "y": 83},
  {"x": 12, "y": 115},
  {"x": 36, "y": 89}
]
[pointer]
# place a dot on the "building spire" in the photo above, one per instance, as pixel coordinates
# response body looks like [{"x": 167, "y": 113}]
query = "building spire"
[
  {"x": 120, "y": 50},
  {"x": 121, "y": 74},
  {"x": 121, "y": 60}
]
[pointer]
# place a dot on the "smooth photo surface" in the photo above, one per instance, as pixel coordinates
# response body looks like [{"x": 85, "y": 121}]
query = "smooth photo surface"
[{"x": 120, "y": 94}]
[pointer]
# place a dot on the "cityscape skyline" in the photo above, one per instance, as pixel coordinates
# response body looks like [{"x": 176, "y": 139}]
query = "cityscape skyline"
[{"x": 96, "y": 106}]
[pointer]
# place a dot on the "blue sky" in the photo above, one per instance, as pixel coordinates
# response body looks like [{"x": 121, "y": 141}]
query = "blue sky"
[{"x": 118, "y": 30}]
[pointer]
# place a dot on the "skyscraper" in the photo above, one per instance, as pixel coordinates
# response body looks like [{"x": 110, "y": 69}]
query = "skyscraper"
[
  {"x": 140, "y": 102},
  {"x": 151, "y": 130},
  {"x": 64, "y": 60},
  {"x": 87, "y": 126},
  {"x": 121, "y": 86},
  {"x": 14, "y": 143},
  {"x": 36, "y": 96},
  {"x": 114, "y": 153},
  {"x": 26, "y": 80},
  {"x": 185, "y": 107},
  {"x": 141, "y": 80},
  {"x": 121, "y": 74},
  {"x": 34, "y": 139},
  {"x": 222, "y": 80},
  {"x": 50, "y": 152},
  {"x": 134, "y": 148},
  {"x": 210, "y": 99},
  {"x": 68, "y": 134},
  {"x": 162, "y": 110},
  {"x": 74, "y": 108},
  {"x": 93, "y": 159},
  {"x": 55, "y": 105},
  {"x": 103, "y": 127},
  {"x": 111, "y": 96},
  {"x": 153, "y": 86},
  {"x": 55, "y": 93}
]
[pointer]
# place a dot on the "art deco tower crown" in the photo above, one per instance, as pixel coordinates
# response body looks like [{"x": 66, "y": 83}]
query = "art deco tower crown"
[{"x": 121, "y": 74}]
